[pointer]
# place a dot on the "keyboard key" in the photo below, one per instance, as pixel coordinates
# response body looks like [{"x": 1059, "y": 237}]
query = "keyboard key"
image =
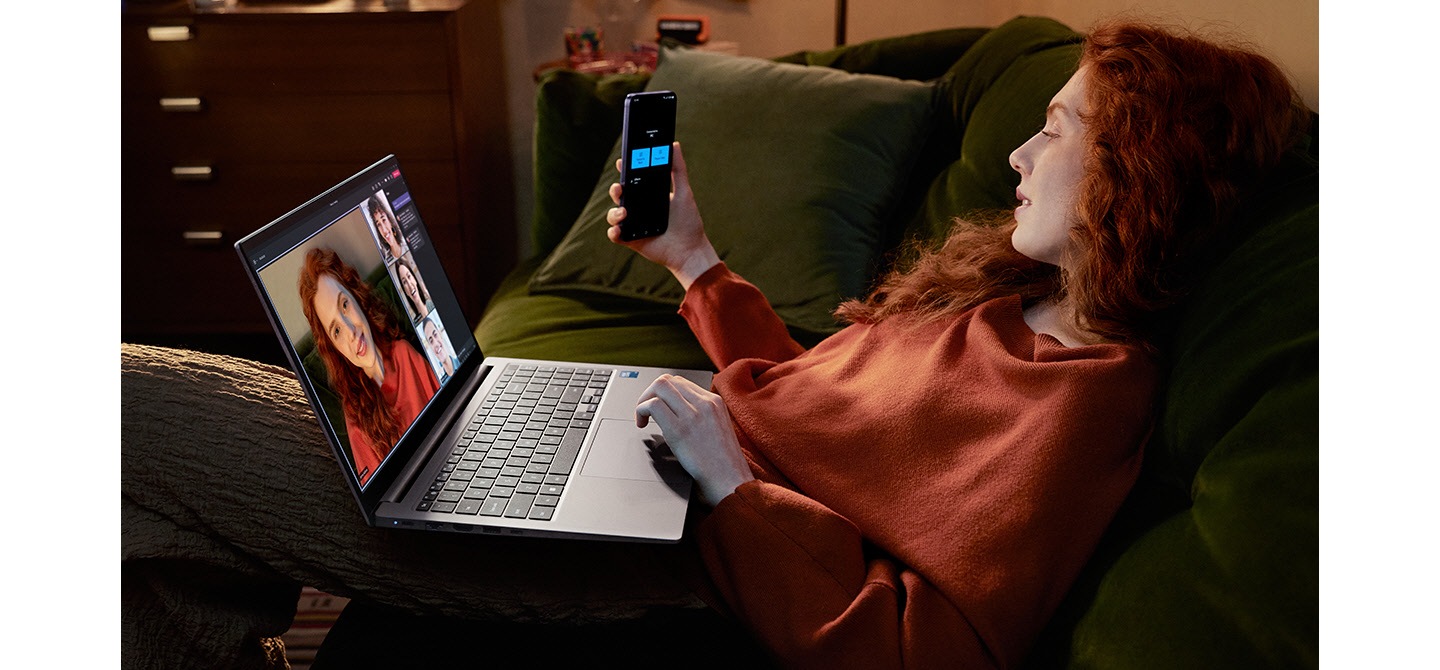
[
  {"x": 547, "y": 501},
  {"x": 538, "y": 513},
  {"x": 494, "y": 507},
  {"x": 468, "y": 507},
  {"x": 443, "y": 507},
  {"x": 519, "y": 507},
  {"x": 569, "y": 451}
]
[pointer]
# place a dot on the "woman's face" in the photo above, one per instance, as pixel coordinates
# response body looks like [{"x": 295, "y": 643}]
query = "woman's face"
[
  {"x": 345, "y": 324},
  {"x": 382, "y": 223},
  {"x": 409, "y": 285},
  {"x": 1051, "y": 167}
]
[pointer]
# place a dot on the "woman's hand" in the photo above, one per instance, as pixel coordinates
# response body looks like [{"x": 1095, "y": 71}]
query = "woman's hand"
[
  {"x": 683, "y": 248},
  {"x": 697, "y": 427}
]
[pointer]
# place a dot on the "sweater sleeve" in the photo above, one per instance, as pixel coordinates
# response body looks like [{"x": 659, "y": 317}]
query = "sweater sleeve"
[
  {"x": 732, "y": 320},
  {"x": 819, "y": 597}
]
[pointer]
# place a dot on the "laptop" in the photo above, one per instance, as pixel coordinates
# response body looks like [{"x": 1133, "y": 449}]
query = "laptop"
[{"x": 430, "y": 433}]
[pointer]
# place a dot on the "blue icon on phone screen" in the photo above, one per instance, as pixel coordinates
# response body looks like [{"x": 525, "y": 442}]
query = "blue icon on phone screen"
[
  {"x": 639, "y": 158},
  {"x": 660, "y": 155}
]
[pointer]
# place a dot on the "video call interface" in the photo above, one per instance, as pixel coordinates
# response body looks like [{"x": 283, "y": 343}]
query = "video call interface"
[{"x": 358, "y": 274}]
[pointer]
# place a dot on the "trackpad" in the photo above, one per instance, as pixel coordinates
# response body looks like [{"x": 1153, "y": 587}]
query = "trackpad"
[{"x": 622, "y": 451}]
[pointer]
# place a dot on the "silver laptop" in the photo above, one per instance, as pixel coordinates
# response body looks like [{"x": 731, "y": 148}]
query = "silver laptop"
[{"x": 429, "y": 433}]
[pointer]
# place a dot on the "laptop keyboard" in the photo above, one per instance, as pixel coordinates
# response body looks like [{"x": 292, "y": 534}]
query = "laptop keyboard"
[{"x": 516, "y": 455}]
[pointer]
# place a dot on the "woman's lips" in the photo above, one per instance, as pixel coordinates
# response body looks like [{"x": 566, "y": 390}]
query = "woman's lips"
[{"x": 361, "y": 347}]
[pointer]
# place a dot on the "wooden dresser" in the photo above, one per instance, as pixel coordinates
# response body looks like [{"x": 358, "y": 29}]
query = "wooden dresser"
[{"x": 230, "y": 119}]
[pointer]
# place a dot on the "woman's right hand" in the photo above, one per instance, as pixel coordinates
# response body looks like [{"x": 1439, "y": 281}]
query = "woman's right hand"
[{"x": 683, "y": 248}]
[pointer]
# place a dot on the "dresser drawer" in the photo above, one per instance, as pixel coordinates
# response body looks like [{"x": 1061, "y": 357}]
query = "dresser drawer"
[
  {"x": 290, "y": 54},
  {"x": 246, "y": 196},
  {"x": 351, "y": 127}
]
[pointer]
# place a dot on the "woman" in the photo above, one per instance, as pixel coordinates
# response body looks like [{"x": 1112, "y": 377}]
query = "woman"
[
  {"x": 921, "y": 488},
  {"x": 417, "y": 298},
  {"x": 383, "y": 382},
  {"x": 392, "y": 241},
  {"x": 1026, "y": 342}
]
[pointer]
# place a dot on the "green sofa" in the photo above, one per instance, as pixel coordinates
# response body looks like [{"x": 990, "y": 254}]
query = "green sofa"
[{"x": 810, "y": 178}]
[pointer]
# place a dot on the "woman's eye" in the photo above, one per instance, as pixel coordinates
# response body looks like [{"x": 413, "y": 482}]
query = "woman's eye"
[{"x": 1049, "y": 134}]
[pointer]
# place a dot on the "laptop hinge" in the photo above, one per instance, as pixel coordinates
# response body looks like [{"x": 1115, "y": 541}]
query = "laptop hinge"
[{"x": 436, "y": 436}]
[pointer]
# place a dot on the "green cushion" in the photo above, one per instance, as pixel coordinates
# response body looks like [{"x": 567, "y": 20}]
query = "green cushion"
[
  {"x": 577, "y": 120},
  {"x": 795, "y": 170},
  {"x": 592, "y": 328},
  {"x": 920, "y": 56}
]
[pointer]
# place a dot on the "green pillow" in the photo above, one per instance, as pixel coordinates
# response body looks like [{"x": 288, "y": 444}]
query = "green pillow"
[
  {"x": 577, "y": 119},
  {"x": 795, "y": 170},
  {"x": 920, "y": 56}
]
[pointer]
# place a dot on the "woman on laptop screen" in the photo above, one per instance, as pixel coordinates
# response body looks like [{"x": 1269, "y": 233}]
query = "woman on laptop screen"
[{"x": 382, "y": 381}]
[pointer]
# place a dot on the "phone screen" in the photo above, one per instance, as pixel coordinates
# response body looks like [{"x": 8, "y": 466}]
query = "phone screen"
[{"x": 645, "y": 163}]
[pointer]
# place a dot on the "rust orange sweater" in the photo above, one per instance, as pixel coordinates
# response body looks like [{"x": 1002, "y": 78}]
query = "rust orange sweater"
[
  {"x": 926, "y": 493},
  {"x": 409, "y": 384}
]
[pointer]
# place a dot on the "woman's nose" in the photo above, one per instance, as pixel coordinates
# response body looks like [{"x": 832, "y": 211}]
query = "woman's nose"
[
  {"x": 1015, "y": 159},
  {"x": 1020, "y": 157}
]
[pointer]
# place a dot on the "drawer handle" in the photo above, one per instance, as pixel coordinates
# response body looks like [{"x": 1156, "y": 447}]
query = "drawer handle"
[
  {"x": 207, "y": 238},
  {"x": 180, "y": 104},
  {"x": 170, "y": 33},
  {"x": 192, "y": 172}
]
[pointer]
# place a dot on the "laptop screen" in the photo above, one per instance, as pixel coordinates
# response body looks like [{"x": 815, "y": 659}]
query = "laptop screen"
[{"x": 356, "y": 286}]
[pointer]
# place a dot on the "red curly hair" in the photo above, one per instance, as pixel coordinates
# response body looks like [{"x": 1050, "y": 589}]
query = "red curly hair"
[
  {"x": 360, "y": 396},
  {"x": 1177, "y": 128}
]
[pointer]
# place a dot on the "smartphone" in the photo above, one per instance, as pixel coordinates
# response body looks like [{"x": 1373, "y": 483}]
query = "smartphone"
[{"x": 645, "y": 163}]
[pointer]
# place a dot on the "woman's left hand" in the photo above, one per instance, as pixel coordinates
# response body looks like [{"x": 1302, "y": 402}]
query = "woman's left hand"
[{"x": 697, "y": 427}]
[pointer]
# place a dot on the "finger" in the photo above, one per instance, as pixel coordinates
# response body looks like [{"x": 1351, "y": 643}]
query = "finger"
[
  {"x": 617, "y": 166},
  {"x": 615, "y": 215},
  {"x": 663, "y": 389},
  {"x": 670, "y": 389},
  {"x": 651, "y": 391},
  {"x": 679, "y": 174},
  {"x": 615, "y": 191},
  {"x": 656, "y": 409}
]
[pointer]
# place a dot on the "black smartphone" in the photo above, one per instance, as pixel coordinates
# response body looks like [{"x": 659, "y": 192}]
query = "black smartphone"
[{"x": 645, "y": 163}]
